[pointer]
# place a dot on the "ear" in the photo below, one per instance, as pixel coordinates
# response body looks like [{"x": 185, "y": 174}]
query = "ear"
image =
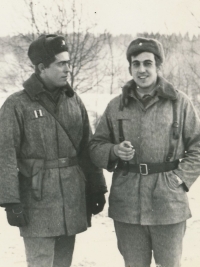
[
  {"x": 41, "y": 67},
  {"x": 159, "y": 70}
]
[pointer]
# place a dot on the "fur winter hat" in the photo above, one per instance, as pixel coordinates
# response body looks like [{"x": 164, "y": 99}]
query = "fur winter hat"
[
  {"x": 141, "y": 44},
  {"x": 46, "y": 47}
]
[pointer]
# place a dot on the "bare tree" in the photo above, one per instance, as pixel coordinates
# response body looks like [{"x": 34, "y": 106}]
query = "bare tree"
[{"x": 66, "y": 18}]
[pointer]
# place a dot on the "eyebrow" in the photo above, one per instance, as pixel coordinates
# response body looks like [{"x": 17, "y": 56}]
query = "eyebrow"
[
  {"x": 67, "y": 61},
  {"x": 142, "y": 60}
]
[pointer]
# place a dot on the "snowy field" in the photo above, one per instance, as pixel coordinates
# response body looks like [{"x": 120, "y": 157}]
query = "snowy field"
[{"x": 97, "y": 247}]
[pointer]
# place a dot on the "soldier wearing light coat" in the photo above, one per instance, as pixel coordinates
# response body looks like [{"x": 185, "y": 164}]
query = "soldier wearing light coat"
[
  {"x": 155, "y": 162},
  {"x": 46, "y": 174}
]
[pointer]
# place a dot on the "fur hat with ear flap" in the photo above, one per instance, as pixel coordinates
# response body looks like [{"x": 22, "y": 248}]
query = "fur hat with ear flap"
[
  {"x": 142, "y": 44},
  {"x": 46, "y": 47}
]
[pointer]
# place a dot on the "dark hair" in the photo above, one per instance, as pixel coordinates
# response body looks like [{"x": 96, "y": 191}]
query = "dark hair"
[
  {"x": 46, "y": 64},
  {"x": 157, "y": 59}
]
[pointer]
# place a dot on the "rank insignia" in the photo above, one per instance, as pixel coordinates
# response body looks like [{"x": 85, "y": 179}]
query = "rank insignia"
[{"x": 38, "y": 113}]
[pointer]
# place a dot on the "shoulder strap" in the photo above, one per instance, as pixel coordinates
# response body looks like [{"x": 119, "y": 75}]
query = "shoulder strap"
[
  {"x": 121, "y": 133},
  {"x": 175, "y": 120},
  {"x": 61, "y": 124},
  {"x": 175, "y": 130},
  {"x": 125, "y": 164}
]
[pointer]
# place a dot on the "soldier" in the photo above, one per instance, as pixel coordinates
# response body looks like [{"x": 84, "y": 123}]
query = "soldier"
[
  {"x": 150, "y": 137},
  {"x": 45, "y": 169}
]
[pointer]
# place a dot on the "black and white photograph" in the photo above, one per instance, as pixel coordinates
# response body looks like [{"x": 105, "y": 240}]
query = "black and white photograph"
[{"x": 99, "y": 133}]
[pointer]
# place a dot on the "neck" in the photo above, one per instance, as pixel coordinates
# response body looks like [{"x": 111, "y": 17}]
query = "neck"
[
  {"x": 142, "y": 91},
  {"x": 147, "y": 90},
  {"x": 49, "y": 87}
]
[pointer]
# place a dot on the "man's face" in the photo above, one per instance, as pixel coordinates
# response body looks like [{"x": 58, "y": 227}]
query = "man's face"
[
  {"x": 143, "y": 70},
  {"x": 57, "y": 73}
]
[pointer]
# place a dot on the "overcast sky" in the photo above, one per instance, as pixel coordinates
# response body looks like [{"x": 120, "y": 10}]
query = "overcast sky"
[{"x": 123, "y": 16}]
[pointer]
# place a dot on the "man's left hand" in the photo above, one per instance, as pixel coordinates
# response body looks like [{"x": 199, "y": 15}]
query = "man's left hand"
[{"x": 98, "y": 202}]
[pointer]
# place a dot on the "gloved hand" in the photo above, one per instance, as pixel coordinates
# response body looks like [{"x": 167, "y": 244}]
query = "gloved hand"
[
  {"x": 125, "y": 93},
  {"x": 98, "y": 202},
  {"x": 16, "y": 215}
]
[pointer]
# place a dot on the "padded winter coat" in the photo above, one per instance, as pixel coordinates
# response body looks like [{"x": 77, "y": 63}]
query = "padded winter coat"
[
  {"x": 157, "y": 198},
  {"x": 30, "y": 137}
]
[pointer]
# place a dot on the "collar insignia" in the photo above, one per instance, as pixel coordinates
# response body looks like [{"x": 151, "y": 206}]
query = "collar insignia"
[{"x": 38, "y": 113}]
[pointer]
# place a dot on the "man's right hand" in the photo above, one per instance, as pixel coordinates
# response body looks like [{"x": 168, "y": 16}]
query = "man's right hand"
[
  {"x": 16, "y": 215},
  {"x": 124, "y": 151}
]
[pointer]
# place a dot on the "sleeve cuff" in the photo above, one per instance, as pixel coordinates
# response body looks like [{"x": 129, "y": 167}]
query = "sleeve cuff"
[{"x": 112, "y": 156}]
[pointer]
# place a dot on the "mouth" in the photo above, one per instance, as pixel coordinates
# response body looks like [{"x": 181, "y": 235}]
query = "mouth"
[{"x": 142, "y": 77}]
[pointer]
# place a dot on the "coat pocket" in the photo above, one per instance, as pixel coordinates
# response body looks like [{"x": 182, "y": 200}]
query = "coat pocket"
[
  {"x": 168, "y": 189},
  {"x": 172, "y": 181},
  {"x": 34, "y": 169},
  {"x": 37, "y": 178}
]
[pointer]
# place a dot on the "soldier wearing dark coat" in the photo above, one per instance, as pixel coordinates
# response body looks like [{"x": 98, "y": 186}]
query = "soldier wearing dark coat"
[
  {"x": 149, "y": 136},
  {"x": 49, "y": 186}
]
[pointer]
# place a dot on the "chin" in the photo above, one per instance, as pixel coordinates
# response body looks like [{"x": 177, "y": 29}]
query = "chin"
[
  {"x": 63, "y": 84},
  {"x": 144, "y": 86}
]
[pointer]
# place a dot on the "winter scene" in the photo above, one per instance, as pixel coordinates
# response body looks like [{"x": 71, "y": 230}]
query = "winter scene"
[{"x": 98, "y": 36}]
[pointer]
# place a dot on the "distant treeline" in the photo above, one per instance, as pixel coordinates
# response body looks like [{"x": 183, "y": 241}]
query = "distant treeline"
[{"x": 99, "y": 61}]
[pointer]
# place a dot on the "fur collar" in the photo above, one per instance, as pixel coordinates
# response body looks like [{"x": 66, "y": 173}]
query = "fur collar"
[
  {"x": 34, "y": 86},
  {"x": 163, "y": 87}
]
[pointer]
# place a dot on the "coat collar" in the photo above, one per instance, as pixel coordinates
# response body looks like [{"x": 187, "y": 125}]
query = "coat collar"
[
  {"x": 34, "y": 87},
  {"x": 163, "y": 87},
  {"x": 166, "y": 89}
]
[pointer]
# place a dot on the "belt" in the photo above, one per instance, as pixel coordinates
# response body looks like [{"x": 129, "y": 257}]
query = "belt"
[
  {"x": 150, "y": 168},
  {"x": 60, "y": 163}
]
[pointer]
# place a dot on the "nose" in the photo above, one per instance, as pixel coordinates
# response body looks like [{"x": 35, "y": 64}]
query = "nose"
[
  {"x": 141, "y": 68},
  {"x": 67, "y": 68}
]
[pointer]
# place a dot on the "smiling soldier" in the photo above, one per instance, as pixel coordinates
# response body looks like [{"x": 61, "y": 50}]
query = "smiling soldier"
[
  {"x": 45, "y": 167},
  {"x": 150, "y": 137}
]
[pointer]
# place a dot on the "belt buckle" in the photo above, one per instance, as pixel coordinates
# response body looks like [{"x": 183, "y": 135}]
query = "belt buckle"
[
  {"x": 62, "y": 162},
  {"x": 146, "y": 169}
]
